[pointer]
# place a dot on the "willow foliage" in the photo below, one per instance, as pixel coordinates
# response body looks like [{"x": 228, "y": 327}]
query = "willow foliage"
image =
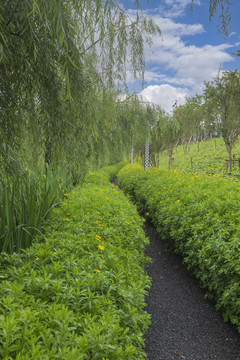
[
  {"x": 54, "y": 57},
  {"x": 223, "y": 7},
  {"x": 60, "y": 61}
]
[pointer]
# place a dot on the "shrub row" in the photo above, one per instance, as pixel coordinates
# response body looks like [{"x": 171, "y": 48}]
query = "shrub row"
[
  {"x": 78, "y": 291},
  {"x": 198, "y": 216}
]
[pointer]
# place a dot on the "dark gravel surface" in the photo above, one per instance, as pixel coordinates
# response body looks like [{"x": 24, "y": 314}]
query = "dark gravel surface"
[{"x": 185, "y": 325}]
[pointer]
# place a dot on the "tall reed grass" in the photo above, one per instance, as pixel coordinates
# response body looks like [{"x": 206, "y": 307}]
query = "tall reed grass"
[{"x": 25, "y": 203}]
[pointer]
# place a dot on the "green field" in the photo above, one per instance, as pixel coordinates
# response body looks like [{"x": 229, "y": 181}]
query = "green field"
[{"x": 208, "y": 157}]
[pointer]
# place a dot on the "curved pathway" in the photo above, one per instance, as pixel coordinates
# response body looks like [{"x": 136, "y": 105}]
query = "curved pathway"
[{"x": 185, "y": 325}]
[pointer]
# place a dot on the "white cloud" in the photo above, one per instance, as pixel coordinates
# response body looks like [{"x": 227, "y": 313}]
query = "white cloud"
[
  {"x": 199, "y": 64},
  {"x": 176, "y": 66},
  {"x": 165, "y": 95},
  {"x": 232, "y": 34},
  {"x": 168, "y": 26},
  {"x": 175, "y": 8},
  {"x": 185, "y": 64},
  {"x": 154, "y": 76}
]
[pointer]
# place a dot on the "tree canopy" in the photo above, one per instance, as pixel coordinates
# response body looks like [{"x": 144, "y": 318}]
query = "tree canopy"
[
  {"x": 58, "y": 62},
  {"x": 223, "y": 95}
]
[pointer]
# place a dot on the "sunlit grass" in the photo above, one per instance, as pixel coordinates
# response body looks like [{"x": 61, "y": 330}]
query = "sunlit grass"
[{"x": 207, "y": 156}]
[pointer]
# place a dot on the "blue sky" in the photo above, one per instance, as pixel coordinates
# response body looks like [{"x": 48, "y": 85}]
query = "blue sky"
[{"x": 189, "y": 52}]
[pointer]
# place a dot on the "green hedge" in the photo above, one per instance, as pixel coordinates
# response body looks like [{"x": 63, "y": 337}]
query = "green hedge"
[
  {"x": 198, "y": 216},
  {"x": 78, "y": 292}
]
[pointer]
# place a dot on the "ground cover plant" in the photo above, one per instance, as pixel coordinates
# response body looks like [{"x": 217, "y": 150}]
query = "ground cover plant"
[
  {"x": 198, "y": 216},
  {"x": 207, "y": 156},
  {"x": 78, "y": 291}
]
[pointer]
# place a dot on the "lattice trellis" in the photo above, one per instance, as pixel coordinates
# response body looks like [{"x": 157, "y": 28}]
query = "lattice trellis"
[{"x": 146, "y": 158}]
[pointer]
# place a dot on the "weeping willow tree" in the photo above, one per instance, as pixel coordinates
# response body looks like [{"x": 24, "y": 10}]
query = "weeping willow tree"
[
  {"x": 60, "y": 62},
  {"x": 157, "y": 137},
  {"x": 54, "y": 58}
]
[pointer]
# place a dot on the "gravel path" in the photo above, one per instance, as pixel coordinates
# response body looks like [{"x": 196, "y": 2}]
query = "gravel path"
[{"x": 184, "y": 324}]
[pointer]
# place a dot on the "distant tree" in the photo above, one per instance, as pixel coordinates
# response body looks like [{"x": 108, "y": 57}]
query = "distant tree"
[
  {"x": 164, "y": 135},
  {"x": 170, "y": 131},
  {"x": 189, "y": 117},
  {"x": 223, "y": 95}
]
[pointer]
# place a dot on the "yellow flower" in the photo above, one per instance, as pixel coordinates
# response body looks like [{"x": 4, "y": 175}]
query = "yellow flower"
[
  {"x": 67, "y": 213},
  {"x": 101, "y": 247},
  {"x": 178, "y": 200},
  {"x": 204, "y": 194},
  {"x": 107, "y": 198},
  {"x": 98, "y": 213},
  {"x": 68, "y": 219},
  {"x": 98, "y": 271},
  {"x": 98, "y": 238},
  {"x": 65, "y": 194},
  {"x": 46, "y": 243},
  {"x": 147, "y": 213},
  {"x": 36, "y": 259}
]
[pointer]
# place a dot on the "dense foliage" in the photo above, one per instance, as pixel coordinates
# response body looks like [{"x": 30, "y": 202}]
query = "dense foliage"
[
  {"x": 59, "y": 62},
  {"x": 78, "y": 291},
  {"x": 198, "y": 216},
  {"x": 62, "y": 73}
]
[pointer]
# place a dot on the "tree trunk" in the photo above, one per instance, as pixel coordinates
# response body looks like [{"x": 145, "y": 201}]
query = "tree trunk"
[
  {"x": 170, "y": 152},
  {"x": 153, "y": 160},
  {"x": 229, "y": 150},
  {"x": 132, "y": 156}
]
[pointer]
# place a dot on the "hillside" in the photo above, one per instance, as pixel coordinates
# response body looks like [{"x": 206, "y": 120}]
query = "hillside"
[{"x": 207, "y": 156}]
